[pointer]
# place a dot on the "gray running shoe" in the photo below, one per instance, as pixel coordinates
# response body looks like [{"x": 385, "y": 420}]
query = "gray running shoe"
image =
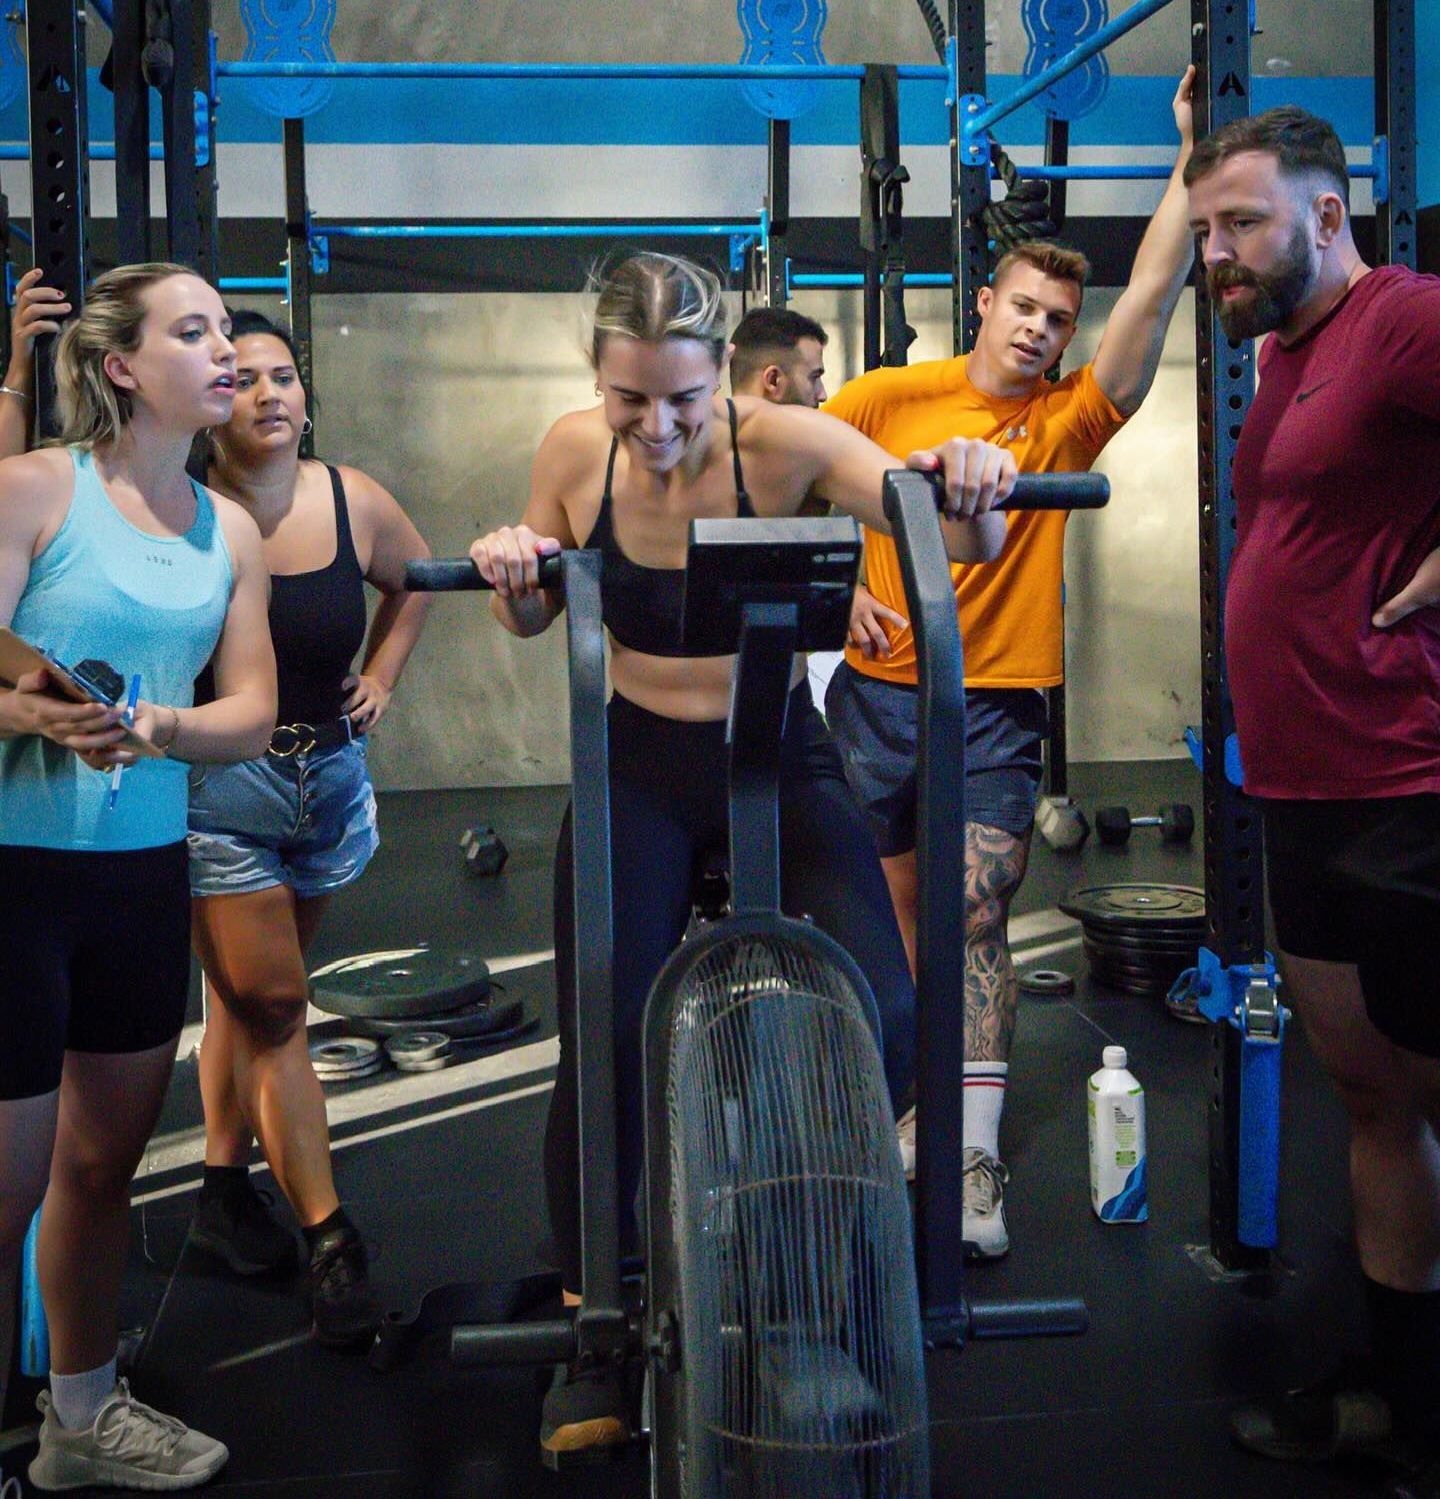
[{"x": 130, "y": 1446}]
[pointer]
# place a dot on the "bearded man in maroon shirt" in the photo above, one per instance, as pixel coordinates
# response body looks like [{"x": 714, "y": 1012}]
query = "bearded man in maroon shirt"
[{"x": 1332, "y": 642}]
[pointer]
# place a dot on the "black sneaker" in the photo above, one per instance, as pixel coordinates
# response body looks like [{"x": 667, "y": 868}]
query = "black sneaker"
[
  {"x": 584, "y": 1411},
  {"x": 343, "y": 1305},
  {"x": 1344, "y": 1414},
  {"x": 233, "y": 1221}
]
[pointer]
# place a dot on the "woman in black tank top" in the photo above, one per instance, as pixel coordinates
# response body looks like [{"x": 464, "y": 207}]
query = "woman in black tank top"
[
  {"x": 272, "y": 838},
  {"x": 627, "y": 477}
]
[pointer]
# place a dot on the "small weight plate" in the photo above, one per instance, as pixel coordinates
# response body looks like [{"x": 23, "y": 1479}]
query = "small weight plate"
[
  {"x": 343, "y": 1053},
  {"x": 1046, "y": 981},
  {"x": 416, "y": 1046},
  {"x": 428, "y": 1064},
  {"x": 349, "y": 1074}
]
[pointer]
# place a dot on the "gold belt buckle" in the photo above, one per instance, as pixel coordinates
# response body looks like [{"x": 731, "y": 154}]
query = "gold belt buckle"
[{"x": 302, "y": 737}]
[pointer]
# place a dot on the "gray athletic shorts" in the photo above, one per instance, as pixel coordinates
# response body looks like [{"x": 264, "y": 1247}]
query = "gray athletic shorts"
[{"x": 874, "y": 723}]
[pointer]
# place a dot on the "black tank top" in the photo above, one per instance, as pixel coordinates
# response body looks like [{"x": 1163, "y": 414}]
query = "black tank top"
[
  {"x": 642, "y": 605},
  {"x": 317, "y": 622}
]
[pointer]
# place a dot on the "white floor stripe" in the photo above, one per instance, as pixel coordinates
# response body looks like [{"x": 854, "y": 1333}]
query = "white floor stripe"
[
  {"x": 399, "y": 1127},
  {"x": 1039, "y": 924},
  {"x": 1049, "y": 949}
]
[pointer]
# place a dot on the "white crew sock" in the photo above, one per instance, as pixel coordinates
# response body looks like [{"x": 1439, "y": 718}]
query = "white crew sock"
[
  {"x": 78, "y": 1397},
  {"x": 984, "y": 1102}
]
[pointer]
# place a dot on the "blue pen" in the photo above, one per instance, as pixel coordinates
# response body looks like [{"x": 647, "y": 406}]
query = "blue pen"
[{"x": 129, "y": 718}]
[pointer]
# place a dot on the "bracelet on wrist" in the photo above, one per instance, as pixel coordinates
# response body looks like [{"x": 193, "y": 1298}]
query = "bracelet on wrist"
[
  {"x": 11, "y": 390},
  {"x": 169, "y": 743}
]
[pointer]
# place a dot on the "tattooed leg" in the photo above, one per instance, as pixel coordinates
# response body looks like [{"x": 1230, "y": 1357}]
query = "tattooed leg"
[{"x": 994, "y": 867}]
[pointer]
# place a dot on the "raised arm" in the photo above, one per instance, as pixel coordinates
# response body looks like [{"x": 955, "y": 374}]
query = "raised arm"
[
  {"x": 808, "y": 450},
  {"x": 509, "y": 557},
  {"x": 393, "y": 541},
  {"x": 37, "y": 310},
  {"x": 1130, "y": 348}
]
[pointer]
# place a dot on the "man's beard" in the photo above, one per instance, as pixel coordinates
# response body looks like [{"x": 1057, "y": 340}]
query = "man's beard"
[{"x": 1275, "y": 294}]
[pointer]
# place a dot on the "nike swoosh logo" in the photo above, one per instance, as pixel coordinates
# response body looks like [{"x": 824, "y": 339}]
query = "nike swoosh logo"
[{"x": 1305, "y": 395}]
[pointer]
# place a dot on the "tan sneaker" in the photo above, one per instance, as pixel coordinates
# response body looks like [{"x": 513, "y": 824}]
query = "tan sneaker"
[
  {"x": 129, "y": 1446},
  {"x": 984, "y": 1180}
]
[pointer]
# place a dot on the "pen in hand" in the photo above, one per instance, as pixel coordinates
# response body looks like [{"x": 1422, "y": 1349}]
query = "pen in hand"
[{"x": 129, "y": 720}]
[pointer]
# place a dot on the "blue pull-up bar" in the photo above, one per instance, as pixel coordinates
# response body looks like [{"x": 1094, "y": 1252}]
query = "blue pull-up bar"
[
  {"x": 741, "y": 72},
  {"x": 836, "y": 280},
  {"x": 983, "y": 119},
  {"x": 529, "y": 231}
]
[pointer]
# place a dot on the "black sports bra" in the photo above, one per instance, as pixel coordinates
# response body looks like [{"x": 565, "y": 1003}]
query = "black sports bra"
[{"x": 642, "y": 606}]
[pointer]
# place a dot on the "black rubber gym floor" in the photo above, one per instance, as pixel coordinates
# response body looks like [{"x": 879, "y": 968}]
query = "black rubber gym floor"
[{"x": 442, "y": 1173}]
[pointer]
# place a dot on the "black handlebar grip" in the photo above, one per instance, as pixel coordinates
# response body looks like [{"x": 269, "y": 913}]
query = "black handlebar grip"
[
  {"x": 1072, "y": 491},
  {"x": 452, "y": 574},
  {"x": 1059, "y": 492}
]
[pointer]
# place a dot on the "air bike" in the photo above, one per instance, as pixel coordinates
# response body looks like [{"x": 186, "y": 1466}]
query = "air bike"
[{"x": 783, "y": 1310}]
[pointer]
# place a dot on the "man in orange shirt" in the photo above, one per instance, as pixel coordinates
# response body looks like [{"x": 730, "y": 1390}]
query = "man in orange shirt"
[{"x": 1010, "y": 611}]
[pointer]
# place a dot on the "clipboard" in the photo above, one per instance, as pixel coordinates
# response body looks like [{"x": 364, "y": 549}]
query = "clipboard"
[{"x": 18, "y": 656}]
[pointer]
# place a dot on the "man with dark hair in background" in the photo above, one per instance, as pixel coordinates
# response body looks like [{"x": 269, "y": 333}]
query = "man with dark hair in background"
[
  {"x": 778, "y": 355},
  {"x": 1332, "y": 642},
  {"x": 1010, "y": 614}
]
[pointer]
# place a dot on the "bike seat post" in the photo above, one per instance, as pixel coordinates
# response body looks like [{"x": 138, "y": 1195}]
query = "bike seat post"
[{"x": 769, "y": 634}]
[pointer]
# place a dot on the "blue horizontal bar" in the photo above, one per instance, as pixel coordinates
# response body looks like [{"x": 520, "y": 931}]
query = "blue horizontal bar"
[
  {"x": 1142, "y": 10},
  {"x": 98, "y": 151},
  {"x": 1088, "y": 173},
  {"x": 254, "y": 283},
  {"x": 518, "y": 70},
  {"x": 839, "y": 279},
  {"x": 527, "y": 231}
]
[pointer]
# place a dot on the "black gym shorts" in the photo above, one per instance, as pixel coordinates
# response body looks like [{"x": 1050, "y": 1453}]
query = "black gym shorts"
[
  {"x": 876, "y": 727},
  {"x": 1359, "y": 882},
  {"x": 94, "y": 956}
]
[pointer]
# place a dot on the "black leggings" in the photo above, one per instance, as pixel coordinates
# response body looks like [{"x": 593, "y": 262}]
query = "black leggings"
[{"x": 668, "y": 803}]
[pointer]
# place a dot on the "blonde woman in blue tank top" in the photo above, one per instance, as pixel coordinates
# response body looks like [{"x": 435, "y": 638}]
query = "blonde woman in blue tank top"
[
  {"x": 109, "y": 551},
  {"x": 271, "y": 840}
]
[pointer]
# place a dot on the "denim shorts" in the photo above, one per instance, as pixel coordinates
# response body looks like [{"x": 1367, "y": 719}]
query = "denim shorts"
[
  {"x": 306, "y": 821},
  {"x": 875, "y": 725}
]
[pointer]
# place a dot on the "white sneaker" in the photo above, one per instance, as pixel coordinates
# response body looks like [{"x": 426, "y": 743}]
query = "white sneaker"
[
  {"x": 130, "y": 1446},
  {"x": 905, "y": 1139},
  {"x": 984, "y": 1181}
]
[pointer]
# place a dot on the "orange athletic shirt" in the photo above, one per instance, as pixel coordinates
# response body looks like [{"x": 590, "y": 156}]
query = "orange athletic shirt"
[{"x": 1010, "y": 614}]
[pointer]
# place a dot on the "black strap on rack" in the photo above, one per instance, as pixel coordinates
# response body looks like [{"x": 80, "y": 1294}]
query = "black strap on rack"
[{"x": 887, "y": 335}]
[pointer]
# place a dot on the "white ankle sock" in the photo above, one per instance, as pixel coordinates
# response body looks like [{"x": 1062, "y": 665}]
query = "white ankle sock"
[
  {"x": 984, "y": 1101},
  {"x": 78, "y": 1397}
]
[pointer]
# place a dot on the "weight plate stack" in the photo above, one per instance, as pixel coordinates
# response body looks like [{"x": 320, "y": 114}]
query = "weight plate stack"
[
  {"x": 345, "y": 1060},
  {"x": 1139, "y": 937}
]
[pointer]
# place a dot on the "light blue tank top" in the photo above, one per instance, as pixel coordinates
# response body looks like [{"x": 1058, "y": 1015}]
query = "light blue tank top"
[{"x": 104, "y": 589}]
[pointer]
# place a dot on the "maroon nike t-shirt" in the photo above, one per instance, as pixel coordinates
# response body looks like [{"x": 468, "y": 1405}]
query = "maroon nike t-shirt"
[{"x": 1337, "y": 486}]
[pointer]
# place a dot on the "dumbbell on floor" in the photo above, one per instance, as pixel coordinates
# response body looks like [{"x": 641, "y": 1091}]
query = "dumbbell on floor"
[
  {"x": 1176, "y": 822},
  {"x": 1061, "y": 823},
  {"x": 484, "y": 850}
]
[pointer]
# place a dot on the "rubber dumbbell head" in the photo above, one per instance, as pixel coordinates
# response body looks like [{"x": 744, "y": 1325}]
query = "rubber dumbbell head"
[
  {"x": 485, "y": 851},
  {"x": 1061, "y": 823},
  {"x": 1112, "y": 825},
  {"x": 1177, "y": 822}
]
